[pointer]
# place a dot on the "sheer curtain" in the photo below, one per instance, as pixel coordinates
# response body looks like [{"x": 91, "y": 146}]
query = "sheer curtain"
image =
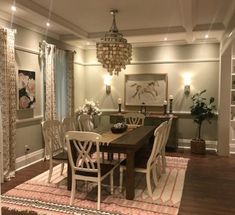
[
  {"x": 47, "y": 56},
  {"x": 60, "y": 83},
  {"x": 8, "y": 99},
  {"x": 58, "y": 67}
]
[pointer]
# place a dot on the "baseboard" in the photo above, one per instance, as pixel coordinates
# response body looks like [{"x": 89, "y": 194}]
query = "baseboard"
[
  {"x": 29, "y": 159},
  {"x": 185, "y": 143}
]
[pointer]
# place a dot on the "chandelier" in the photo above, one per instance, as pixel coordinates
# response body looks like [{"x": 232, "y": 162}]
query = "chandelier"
[{"x": 113, "y": 51}]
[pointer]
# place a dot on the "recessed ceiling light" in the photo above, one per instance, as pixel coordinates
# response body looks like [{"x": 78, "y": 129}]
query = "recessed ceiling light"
[
  {"x": 206, "y": 36},
  {"x": 165, "y": 38},
  {"x": 48, "y": 24},
  {"x": 13, "y": 8}
]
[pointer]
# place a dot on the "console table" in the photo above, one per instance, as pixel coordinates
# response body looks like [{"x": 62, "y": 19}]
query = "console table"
[{"x": 156, "y": 119}]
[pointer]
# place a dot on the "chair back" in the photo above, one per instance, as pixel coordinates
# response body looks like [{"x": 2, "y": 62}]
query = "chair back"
[
  {"x": 53, "y": 136},
  {"x": 85, "y": 123},
  {"x": 169, "y": 123},
  {"x": 79, "y": 146},
  {"x": 69, "y": 124},
  {"x": 159, "y": 138},
  {"x": 134, "y": 118}
]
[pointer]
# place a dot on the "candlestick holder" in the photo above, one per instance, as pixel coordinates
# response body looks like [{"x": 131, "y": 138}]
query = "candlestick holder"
[
  {"x": 170, "y": 107},
  {"x": 119, "y": 108},
  {"x": 165, "y": 109}
]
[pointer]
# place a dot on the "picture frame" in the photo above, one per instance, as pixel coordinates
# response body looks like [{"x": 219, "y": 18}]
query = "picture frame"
[
  {"x": 26, "y": 89},
  {"x": 146, "y": 89}
]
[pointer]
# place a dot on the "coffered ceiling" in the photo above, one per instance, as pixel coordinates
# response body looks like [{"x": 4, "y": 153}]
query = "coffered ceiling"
[{"x": 143, "y": 22}]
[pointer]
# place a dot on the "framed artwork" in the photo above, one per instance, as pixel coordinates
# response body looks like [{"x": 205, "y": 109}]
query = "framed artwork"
[
  {"x": 148, "y": 89},
  {"x": 26, "y": 89}
]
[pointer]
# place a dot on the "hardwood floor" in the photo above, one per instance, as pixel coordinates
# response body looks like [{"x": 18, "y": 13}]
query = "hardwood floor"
[{"x": 209, "y": 184}]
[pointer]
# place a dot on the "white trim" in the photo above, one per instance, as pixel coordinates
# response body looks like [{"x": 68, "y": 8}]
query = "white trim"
[
  {"x": 28, "y": 50},
  {"x": 29, "y": 159},
  {"x": 206, "y": 60},
  {"x": 34, "y": 120},
  {"x": 185, "y": 144}
]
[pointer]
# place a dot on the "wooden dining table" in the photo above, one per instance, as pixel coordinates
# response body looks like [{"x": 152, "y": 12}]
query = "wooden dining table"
[{"x": 128, "y": 143}]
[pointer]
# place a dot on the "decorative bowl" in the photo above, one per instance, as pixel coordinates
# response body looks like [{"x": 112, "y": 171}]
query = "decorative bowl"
[{"x": 118, "y": 130}]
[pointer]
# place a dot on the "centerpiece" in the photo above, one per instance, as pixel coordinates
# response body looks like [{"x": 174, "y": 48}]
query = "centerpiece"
[
  {"x": 89, "y": 108},
  {"x": 119, "y": 127}
]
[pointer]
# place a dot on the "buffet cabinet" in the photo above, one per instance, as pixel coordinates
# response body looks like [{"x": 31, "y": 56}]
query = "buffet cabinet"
[{"x": 156, "y": 120}]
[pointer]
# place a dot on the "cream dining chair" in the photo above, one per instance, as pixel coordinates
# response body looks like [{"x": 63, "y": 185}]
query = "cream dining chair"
[
  {"x": 134, "y": 119},
  {"x": 152, "y": 164},
  {"x": 84, "y": 166},
  {"x": 69, "y": 124},
  {"x": 163, "y": 151},
  {"x": 54, "y": 140}
]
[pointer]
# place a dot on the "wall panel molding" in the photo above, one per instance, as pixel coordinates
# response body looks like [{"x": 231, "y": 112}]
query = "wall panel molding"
[
  {"x": 25, "y": 49},
  {"x": 206, "y": 60},
  {"x": 29, "y": 121}
]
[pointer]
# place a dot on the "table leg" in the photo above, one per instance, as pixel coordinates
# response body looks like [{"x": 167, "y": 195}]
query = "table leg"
[
  {"x": 69, "y": 177},
  {"x": 130, "y": 176}
]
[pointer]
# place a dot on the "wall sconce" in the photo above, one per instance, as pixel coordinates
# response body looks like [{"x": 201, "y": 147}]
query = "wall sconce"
[
  {"x": 187, "y": 83},
  {"x": 107, "y": 82}
]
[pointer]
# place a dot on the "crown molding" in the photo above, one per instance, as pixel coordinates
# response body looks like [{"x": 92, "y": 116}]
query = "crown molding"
[{"x": 36, "y": 8}]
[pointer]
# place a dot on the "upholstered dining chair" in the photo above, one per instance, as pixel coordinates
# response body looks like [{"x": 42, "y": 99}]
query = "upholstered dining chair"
[
  {"x": 53, "y": 137},
  {"x": 163, "y": 151},
  {"x": 134, "y": 119},
  {"x": 69, "y": 124},
  {"x": 83, "y": 165},
  {"x": 152, "y": 164}
]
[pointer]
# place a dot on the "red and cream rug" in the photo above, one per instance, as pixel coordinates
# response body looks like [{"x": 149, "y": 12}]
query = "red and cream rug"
[{"x": 39, "y": 196}]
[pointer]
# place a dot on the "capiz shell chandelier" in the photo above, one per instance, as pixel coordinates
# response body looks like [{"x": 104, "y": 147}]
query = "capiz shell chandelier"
[{"x": 113, "y": 51}]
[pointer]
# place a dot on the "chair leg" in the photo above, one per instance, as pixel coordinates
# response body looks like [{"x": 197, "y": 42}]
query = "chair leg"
[
  {"x": 73, "y": 191},
  {"x": 121, "y": 179},
  {"x": 163, "y": 162},
  {"x": 62, "y": 169},
  {"x": 50, "y": 170},
  {"x": 148, "y": 181},
  {"x": 155, "y": 175},
  {"x": 111, "y": 182},
  {"x": 99, "y": 195}
]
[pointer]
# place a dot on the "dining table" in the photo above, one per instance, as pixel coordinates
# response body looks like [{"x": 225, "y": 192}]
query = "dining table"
[{"x": 129, "y": 143}]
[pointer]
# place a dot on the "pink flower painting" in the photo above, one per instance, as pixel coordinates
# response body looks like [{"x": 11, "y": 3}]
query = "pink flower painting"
[{"x": 26, "y": 89}]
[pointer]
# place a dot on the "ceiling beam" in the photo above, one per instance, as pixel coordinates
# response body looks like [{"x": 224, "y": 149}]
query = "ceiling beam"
[
  {"x": 186, "y": 8},
  {"x": 33, "y": 7}
]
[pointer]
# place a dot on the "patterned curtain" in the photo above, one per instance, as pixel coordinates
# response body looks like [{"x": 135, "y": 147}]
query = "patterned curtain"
[
  {"x": 47, "y": 55},
  {"x": 70, "y": 83},
  {"x": 8, "y": 99}
]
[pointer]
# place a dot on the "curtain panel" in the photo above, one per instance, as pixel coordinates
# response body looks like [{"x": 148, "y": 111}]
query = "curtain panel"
[
  {"x": 47, "y": 55},
  {"x": 70, "y": 83},
  {"x": 8, "y": 100}
]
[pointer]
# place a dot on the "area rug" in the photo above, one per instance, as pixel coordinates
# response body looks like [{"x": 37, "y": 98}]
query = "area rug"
[{"x": 39, "y": 196}]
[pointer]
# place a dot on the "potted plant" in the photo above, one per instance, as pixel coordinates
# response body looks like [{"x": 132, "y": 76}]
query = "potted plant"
[{"x": 201, "y": 110}]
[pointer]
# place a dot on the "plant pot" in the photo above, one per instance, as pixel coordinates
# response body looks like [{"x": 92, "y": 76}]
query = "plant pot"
[{"x": 198, "y": 146}]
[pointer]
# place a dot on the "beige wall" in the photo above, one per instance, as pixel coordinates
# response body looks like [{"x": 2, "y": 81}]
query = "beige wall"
[
  {"x": 28, "y": 121},
  {"x": 201, "y": 61}
]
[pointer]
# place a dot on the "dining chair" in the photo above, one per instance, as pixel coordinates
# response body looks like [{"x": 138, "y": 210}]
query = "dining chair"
[
  {"x": 85, "y": 123},
  {"x": 69, "y": 124},
  {"x": 152, "y": 164},
  {"x": 134, "y": 119},
  {"x": 83, "y": 165},
  {"x": 163, "y": 151},
  {"x": 54, "y": 142}
]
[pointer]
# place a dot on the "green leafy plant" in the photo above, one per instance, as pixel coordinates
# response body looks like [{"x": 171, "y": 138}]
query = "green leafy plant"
[{"x": 202, "y": 110}]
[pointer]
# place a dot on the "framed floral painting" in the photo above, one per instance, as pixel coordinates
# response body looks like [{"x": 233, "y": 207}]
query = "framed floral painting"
[
  {"x": 148, "y": 89},
  {"x": 26, "y": 89}
]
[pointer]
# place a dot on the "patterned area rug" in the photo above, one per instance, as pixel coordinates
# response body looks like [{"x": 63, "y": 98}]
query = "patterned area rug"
[{"x": 39, "y": 196}]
